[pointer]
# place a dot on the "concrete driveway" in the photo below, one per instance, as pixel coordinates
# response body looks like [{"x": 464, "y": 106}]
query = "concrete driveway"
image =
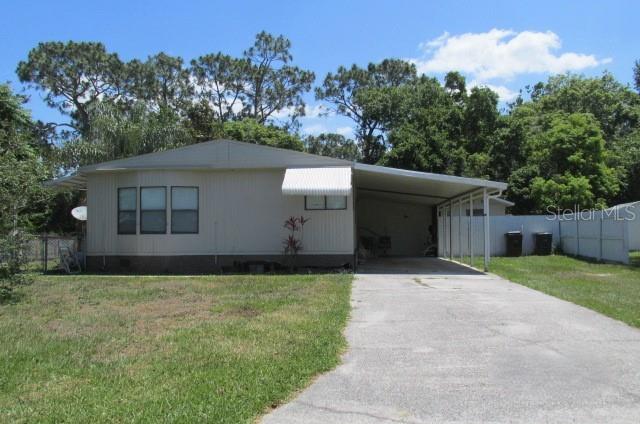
[{"x": 430, "y": 341}]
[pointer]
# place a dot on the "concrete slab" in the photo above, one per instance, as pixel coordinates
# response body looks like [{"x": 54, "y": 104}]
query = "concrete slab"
[{"x": 434, "y": 342}]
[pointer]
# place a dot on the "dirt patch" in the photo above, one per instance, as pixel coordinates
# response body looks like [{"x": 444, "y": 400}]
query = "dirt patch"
[
  {"x": 239, "y": 312},
  {"x": 147, "y": 323}
]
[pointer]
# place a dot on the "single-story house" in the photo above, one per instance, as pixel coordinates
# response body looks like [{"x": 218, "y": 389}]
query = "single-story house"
[
  {"x": 497, "y": 207},
  {"x": 209, "y": 205},
  {"x": 630, "y": 212}
]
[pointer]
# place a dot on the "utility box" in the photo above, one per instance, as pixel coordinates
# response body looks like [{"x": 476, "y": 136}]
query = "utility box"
[
  {"x": 514, "y": 243},
  {"x": 544, "y": 243}
]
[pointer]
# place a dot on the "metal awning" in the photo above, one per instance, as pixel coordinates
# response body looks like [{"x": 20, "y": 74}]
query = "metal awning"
[
  {"x": 74, "y": 181},
  {"x": 330, "y": 181}
]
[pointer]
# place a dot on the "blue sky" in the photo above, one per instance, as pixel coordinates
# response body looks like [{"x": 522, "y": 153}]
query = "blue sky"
[{"x": 503, "y": 44}]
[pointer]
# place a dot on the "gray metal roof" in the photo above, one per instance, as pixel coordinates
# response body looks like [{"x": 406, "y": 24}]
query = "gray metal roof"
[{"x": 229, "y": 154}]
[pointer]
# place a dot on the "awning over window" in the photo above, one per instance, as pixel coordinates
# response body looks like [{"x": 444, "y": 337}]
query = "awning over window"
[{"x": 317, "y": 181}]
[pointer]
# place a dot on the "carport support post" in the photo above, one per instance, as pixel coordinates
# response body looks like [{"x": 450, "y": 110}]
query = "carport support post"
[
  {"x": 451, "y": 230},
  {"x": 471, "y": 229},
  {"x": 485, "y": 209},
  {"x": 460, "y": 228}
]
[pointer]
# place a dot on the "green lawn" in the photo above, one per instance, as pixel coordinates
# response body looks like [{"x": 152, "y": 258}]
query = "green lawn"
[
  {"x": 612, "y": 290},
  {"x": 166, "y": 349}
]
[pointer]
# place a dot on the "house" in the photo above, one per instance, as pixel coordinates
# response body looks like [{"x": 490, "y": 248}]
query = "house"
[
  {"x": 215, "y": 204},
  {"x": 497, "y": 207},
  {"x": 629, "y": 212}
]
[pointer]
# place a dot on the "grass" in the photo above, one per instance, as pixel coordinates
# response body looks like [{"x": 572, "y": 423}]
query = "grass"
[
  {"x": 218, "y": 349},
  {"x": 613, "y": 290}
]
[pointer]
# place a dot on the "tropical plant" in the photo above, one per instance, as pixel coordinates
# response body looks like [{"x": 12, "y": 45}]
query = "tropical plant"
[{"x": 293, "y": 244}]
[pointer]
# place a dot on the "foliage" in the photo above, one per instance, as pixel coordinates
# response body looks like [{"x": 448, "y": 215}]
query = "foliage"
[
  {"x": 614, "y": 105},
  {"x": 636, "y": 75},
  {"x": 252, "y": 131},
  {"x": 425, "y": 131},
  {"x": 220, "y": 81},
  {"x": 343, "y": 89},
  {"x": 332, "y": 145},
  {"x": 77, "y": 76},
  {"x": 73, "y": 76},
  {"x": 21, "y": 191},
  {"x": 21, "y": 171},
  {"x": 625, "y": 154},
  {"x": 292, "y": 243},
  {"x": 570, "y": 156},
  {"x": 271, "y": 83},
  {"x": 118, "y": 133},
  {"x": 13, "y": 260},
  {"x": 161, "y": 82}
]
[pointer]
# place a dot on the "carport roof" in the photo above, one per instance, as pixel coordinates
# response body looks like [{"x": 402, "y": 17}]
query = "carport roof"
[
  {"x": 228, "y": 154},
  {"x": 424, "y": 187}
]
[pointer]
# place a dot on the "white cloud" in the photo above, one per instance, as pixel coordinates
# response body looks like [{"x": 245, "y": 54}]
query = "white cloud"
[
  {"x": 315, "y": 111},
  {"x": 505, "y": 93},
  {"x": 501, "y": 54},
  {"x": 345, "y": 131},
  {"x": 315, "y": 129}
]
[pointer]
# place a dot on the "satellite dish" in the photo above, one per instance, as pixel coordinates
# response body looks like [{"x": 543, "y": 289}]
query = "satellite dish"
[{"x": 80, "y": 213}]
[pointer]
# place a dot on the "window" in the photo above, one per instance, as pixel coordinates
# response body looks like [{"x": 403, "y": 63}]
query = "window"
[
  {"x": 336, "y": 202},
  {"x": 184, "y": 210},
  {"x": 325, "y": 202},
  {"x": 127, "y": 208},
  {"x": 153, "y": 210},
  {"x": 314, "y": 202},
  {"x": 476, "y": 212}
]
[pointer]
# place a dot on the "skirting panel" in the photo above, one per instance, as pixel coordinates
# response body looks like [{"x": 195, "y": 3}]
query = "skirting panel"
[{"x": 207, "y": 264}]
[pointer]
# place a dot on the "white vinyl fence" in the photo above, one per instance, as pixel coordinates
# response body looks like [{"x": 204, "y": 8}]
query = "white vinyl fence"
[{"x": 597, "y": 237}]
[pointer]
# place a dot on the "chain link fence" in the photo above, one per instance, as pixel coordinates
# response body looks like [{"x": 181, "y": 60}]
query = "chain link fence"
[{"x": 53, "y": 252}]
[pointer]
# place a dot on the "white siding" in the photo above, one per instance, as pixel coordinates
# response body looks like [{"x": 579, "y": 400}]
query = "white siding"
[
  {"x": 241, "y": 212},
  {"x": 495, "y": 208},
  {"x": 407, "y": 224}
]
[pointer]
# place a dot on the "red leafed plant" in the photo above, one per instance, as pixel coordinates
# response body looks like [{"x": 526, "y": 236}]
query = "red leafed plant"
[{"x": 292, "y": 244}]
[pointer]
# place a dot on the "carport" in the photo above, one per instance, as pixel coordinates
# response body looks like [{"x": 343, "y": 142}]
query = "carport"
[{"x": 410, "y": 213}]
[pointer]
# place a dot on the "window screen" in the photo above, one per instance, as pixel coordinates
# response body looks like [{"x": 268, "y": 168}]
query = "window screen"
[
  {"x": 153, "y": 210},
  {"x": 325, "y": 202},
  {"x": 314, "y": 202},
  {"x": 184, "y": 210},
  {"x": 127, "y": 208},
  {"x": 336, "y": 202}
]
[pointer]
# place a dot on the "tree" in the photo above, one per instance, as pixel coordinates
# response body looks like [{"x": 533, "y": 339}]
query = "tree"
[
  {"x": 332, "y": 145},
  {"x": 252, "y": 131},
  {"x": 506, "y": 151},
  {"x": 422, "y": 123},
  {"x": 626, "y": 157},
  {"x": 636, "y": 75},
  {"x": 21, "y": 177},
  {"x": 270, "y": 83},
  {"x": 220, "y": 83},
  {"x": 570, "y": 157},
  {"x": 480, "y": 119},
  {"x": 118, "y": 133},
  {"x": 456, "y": 86},
  {"x": 614, "y": 105},
  {"x": 161, "y": 82},
  {"x": 73, "y": 76},
  {"x": 345, "y": 88}
]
